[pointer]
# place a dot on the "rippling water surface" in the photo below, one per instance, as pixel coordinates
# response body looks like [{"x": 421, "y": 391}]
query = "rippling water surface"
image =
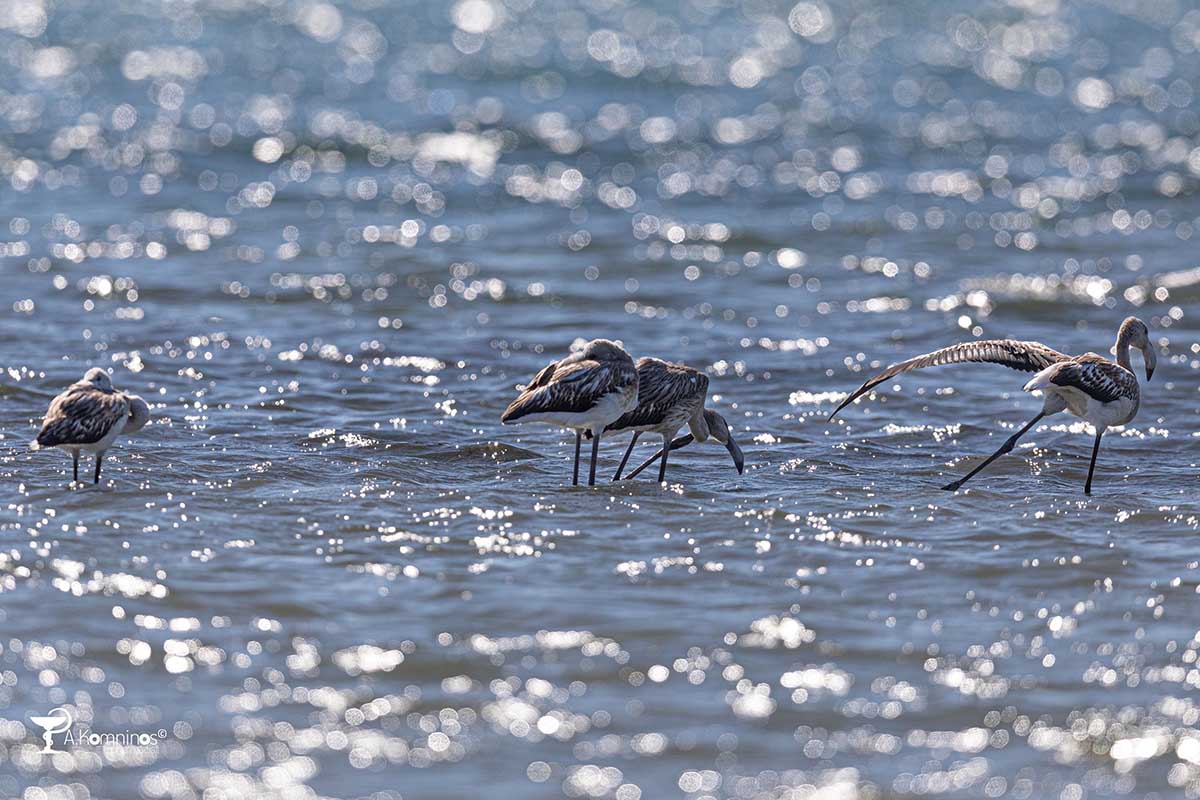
[{"x": 327, "y": 241}]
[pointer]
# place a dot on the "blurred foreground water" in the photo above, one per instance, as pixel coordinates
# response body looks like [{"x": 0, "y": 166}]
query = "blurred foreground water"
[{"x": 328, "y": 241}]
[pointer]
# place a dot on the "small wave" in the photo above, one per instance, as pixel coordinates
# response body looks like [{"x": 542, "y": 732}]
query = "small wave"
[{"x": 494, "y": 451}]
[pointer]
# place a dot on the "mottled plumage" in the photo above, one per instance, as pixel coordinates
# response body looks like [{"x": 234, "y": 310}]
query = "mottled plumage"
[
  {"x": 666, "y": 393},
  {"x": 671, "y": 396},
  {"x": 1024, "y": 356},
  {"x": 571, "y": 386},
  {"x": 1091, "y": 387},
  {"x": 584, "y": 392},
  {"x": 1097, "y": 377},
  {"x": 82, "y": 415},
  {"x": 89, "y": 416}
]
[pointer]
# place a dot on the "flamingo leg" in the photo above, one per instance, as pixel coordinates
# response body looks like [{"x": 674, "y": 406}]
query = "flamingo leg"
[
  {"x": 75, "y": 459},
  {"x": 99, "y": 457},
  {"x": 1087, "y": 488},
  {"x": 662, "y": 465},
  {"x": 1004, "y": 448},
  {"x": 595, "y": 456},
  {"x": 578, "y": 442},
  {"x": 628, "y": 452},
  {"x": 682, "y": 441}
]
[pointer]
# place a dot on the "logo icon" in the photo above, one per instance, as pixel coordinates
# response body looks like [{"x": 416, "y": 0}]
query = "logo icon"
[{"x": 56, "y": 721}]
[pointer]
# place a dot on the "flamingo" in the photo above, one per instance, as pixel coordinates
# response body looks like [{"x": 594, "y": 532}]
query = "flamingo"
[
  {"x": 1096, "y": 389},
  {"x": 583, "y": 392},
  {"x": 89, "y": 416},
  {"x": 671, "y": 396}
]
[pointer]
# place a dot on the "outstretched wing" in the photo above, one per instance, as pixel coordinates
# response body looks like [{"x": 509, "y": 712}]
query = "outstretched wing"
[
  {"x": 1097, "y": 377},
  {"x": 568, "y": 386},
  {"x": 1024, "y": 356},
  {"x": 81, "y": 416},
  {"x": 661, "y": 386}
]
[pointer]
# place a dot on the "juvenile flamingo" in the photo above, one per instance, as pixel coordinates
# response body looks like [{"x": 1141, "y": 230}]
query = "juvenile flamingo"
[
  {"x": 584, "y": 392},
  {"x": 1096, "y": 389},
  {"x": 671, "y": 396},
  {"x": 89, "y": 416}
]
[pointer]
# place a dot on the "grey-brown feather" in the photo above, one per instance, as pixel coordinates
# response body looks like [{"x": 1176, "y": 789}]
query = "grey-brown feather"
[
  {"x": 543, "y": 377},
  {"x": 1098, "y": 377},
  {"x": 81, "y": 415},
  {"x": 664, "y": 390},
  {"x": 570, "y": 386},
  {"x": 1023, "y": 356}
]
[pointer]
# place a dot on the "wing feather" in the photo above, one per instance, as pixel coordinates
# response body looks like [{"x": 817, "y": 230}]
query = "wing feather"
[
  {"x": 543, "y": 377},
  {"x": 661, "y": 385},
  {"x": 81, "y": 415},
  {"x": 1096, "y": 376},
  {"x": 572, "y": 386},
  {"x": 1024, "y": 356}
]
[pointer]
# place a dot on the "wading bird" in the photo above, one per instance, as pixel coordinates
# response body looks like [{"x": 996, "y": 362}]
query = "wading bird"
[
  {"x": 1095, "y": 389},
  {"x": 89, "y": 416},
  {"x": 584, "y": 392},
  {"x": 671, "y": 396}
]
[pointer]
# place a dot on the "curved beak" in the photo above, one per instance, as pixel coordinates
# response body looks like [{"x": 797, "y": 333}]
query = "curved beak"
[
  {"x": 1151, "y": 360},
  {"x": 739, "y": 460}
]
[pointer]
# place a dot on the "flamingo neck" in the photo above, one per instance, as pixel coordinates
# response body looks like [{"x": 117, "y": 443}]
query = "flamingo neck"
[{"x": 1123, "y": 337}]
